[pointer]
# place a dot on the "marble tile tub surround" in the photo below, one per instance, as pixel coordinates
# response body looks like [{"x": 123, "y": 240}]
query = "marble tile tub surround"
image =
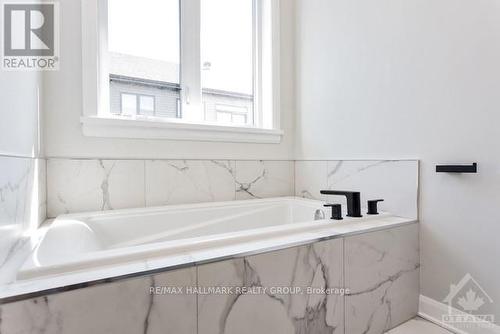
[
  {"x": 78, "y": 185},
  {"x": 120, "y": 307},
  {"x": 95, "y": 185},
  {"x": 382, "y": 271},
  {"x": 396, "y": 181},
  {"x": 22, "y": 207},
  {"x": 318, "y": 265},
  {"x": 22, "y": 191},
  {"x": 23, "y": 289},
  {"x": 128, "y": 307}
]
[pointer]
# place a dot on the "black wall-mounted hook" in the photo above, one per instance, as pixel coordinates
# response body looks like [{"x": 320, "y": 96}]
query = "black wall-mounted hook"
[{"x": 457, "y": 168}]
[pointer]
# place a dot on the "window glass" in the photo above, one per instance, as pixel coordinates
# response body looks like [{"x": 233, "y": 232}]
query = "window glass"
[
  {"x": 128, "y": 105},
  {"x": 227, "y": 54},
  {"x": 223, "y": 117},
  {"x": 145, "y": 64},
  {"x": 144, "y": 53},
  {"x": 239, "y": 119},
  {"x": 147, "y": 105},
  {"x": 143, "y": 39}
]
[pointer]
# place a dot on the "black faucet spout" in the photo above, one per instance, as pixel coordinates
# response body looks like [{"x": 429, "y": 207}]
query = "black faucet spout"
[{"x": 353, "y": 201}]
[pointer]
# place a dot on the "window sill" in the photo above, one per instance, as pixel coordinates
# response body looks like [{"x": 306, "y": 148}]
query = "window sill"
[{"x": 176, "y": 130}]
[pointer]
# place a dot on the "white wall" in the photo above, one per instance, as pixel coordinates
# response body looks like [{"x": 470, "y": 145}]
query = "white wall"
[
  {"x": 19, "y": 96},
  {"x": 419, "y": 79},
  {"x": 22, "y": 174},
  {"x": 22, "y": 194},
  {"x": 63, "y": 108}
]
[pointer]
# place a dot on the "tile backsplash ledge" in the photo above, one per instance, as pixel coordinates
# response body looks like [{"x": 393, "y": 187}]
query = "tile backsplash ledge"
[
  {"x": 79, "y": 185},
  {"x": 395, "y": 181}
]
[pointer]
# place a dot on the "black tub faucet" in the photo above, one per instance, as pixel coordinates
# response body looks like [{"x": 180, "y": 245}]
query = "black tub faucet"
[{"x": 353, "y": 201}]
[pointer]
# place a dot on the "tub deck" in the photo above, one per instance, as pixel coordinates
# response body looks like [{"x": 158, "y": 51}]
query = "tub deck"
[{"x": 86, "y": 249}]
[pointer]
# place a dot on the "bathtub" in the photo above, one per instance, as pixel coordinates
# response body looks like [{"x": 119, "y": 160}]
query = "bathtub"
[{"x": 81, "y": 242}]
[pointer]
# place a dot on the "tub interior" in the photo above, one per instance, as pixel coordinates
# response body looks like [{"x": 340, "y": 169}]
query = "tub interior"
[
  {"x": 182, "y": 224},
  {"x": 88, "y": 233}
]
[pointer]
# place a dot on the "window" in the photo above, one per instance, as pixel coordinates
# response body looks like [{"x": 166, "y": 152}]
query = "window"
[
  {"x": 231, "y": 118},
  {"x": 128, "y": 105},
  {"x": 182, "y": 65},
  {"x": 135, "y": 104}
]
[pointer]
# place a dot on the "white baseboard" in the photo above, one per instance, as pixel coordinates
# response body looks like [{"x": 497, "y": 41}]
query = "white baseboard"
[{"x": 433, "y": 311}]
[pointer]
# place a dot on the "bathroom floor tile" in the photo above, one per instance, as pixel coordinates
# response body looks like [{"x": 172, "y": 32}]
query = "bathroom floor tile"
[{"x": 418, "y": 326}]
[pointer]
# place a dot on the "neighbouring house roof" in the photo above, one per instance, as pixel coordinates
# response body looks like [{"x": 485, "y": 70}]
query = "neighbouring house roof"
[
  {"x": 144, "y": 68},
  {"x": 152, "y": 72}
]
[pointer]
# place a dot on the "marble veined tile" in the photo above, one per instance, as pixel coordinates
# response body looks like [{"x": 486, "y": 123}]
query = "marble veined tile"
[
  {"x": 41, "y": 180},
  {"x": 279, "y": 299},
  {"x": 93, "y": 185},
  {"x": 22, "y": 207},
  {"x": 317, "y": 266},
  {"x": 382, "y": 273},
  {"x": 188, "y": 181},
  {"x": 310, "y": 178},
  {"x": 263, "y": 179},
  {"x": 394, "y": 181},
  {"x": 125, "y": 307},
  {"x": 22, "y": 195},
  {"x": 214, "y": 308},
  {"x": 15, "y": 246}
]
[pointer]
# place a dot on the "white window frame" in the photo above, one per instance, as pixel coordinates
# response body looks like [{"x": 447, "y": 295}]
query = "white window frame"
[{"x": 97, "y": 120}]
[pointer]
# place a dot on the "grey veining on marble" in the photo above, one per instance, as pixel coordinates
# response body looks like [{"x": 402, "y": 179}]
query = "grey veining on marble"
[
  {"x": 189, "y": 181},
  {"x": 97, "y": 275},
  {"x": 93, "y": 185},
  {"x": 261, "y": 179},
  {"x": 213, "y": 310},
  {"x": 14, "y": 249},
  {"x": 125, "y": 307},
  {"x": 310, "y": 178},
  {"x": 272, "y": 311},
  {"x": 76, "y": 185},
  {"x": 396, "y": 181},
  {"x": 380, "y": 268},
  {"x": 22, "y": 191},
  {"x": 382, "y": 272},
  {"x": 14, "y": 189},
  {"x": 22, "y": 208}
]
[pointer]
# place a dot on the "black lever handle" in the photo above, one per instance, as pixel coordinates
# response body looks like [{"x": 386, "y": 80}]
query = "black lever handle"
[
  {"x": 372, "y": 206},
  {"x": 336, "y": 211}
]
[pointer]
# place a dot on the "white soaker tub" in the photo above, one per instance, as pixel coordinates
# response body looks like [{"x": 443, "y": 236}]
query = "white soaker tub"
[{"x": 80, "y": 242}]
